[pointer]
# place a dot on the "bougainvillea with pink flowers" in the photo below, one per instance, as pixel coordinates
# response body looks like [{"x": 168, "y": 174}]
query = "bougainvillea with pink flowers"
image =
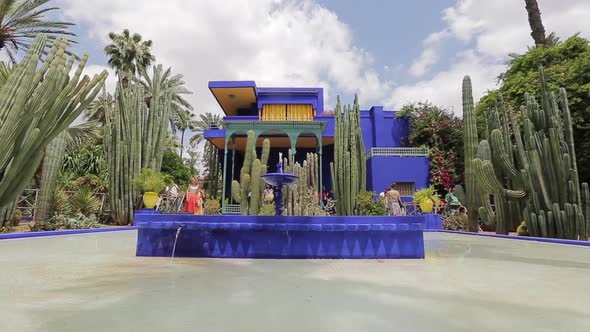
[{"x": 440, "y": 130}]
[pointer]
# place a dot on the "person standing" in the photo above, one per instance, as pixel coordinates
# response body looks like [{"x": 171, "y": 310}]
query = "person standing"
[
  {"x": 394, "y": 202},
  {"x": 194, "y": 198},
  {"x": 174, "y": 196}
]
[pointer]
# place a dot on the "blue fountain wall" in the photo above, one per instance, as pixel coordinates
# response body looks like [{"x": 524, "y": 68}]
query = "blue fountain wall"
[{"x": 282, "y": 237}]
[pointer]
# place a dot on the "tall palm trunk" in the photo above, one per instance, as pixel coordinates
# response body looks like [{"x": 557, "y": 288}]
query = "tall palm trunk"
[
  {"x": 182, "y": 142},
  {"x": 537, "y": 29}
]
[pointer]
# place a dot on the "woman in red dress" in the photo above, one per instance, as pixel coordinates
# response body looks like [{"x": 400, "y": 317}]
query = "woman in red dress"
[{"x": 194, "y": 198}]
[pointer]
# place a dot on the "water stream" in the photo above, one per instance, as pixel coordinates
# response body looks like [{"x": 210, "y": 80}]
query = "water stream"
[{"x": 176, "y": 240}]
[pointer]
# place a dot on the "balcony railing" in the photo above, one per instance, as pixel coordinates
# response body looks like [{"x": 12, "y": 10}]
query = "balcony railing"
[{"x": 397, "y": 152}]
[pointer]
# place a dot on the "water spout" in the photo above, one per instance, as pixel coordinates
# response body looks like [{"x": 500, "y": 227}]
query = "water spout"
[{"x": 176, "y": 240}]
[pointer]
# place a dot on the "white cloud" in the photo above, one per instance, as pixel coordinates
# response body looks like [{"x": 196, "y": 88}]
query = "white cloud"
[
  {"x": 430, "y": 54},
  {"x": 274, "y": 42},
  {"x": 489, "y": 30}
]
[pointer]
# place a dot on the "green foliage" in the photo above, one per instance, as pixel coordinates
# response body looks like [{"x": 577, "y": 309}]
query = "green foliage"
[
  {"x": 367, "y": 206},
  {"x": 151, "y": 181},
  {"x": 566, "y": 65},
  {"x": 60, "y": 222},
  {"x": 172, "y": 165},
  {"x": 440, "y": 130},
  {"x": 85, "y": 160},
  {"x": 212, "y": 207},
  {"x": 84, "y": 201}
]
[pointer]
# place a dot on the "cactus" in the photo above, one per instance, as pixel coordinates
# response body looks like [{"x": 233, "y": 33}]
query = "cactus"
[
  {"x": 349, "y": 175},
  {"x": 539, "y": 165},
  {"x": 248, "y": 192},
  {"x": 38, "y": 100},
  {"x": 302, "y": 197},
  {"x": 123, "y": 150},
  {"x": 51, "y": 165},
  {"x": 470, "y": 143}
]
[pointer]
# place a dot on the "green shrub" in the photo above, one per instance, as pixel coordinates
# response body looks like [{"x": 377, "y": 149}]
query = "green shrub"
[
  {"x": 212, "y": 207},
  {"x": 151, "y": 181},
  {"x": 267, "y": 210},
  {"x": 60, "y": 222},
  {"x": 367, "y": 206}
]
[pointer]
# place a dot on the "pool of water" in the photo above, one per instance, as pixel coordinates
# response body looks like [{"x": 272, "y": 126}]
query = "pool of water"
[{"x": 94, "y": 282}]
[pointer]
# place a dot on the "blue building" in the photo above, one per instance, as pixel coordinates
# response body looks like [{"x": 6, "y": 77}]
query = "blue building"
[{"x": 295, "y": 118}]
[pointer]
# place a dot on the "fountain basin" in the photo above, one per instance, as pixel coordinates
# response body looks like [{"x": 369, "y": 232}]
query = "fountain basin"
[
  {"x": 279, "y": 179},
  {"x": 226, "y": 236}
]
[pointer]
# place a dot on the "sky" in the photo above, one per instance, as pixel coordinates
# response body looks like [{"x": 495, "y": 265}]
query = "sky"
[{"x": 389, "y": 52}]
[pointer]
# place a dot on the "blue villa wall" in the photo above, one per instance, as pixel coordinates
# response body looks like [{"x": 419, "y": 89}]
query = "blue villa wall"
[{"x": 382, "y": 171}]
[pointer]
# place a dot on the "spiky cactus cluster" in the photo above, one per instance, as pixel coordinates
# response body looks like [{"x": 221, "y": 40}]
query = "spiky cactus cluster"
[
  {"x": 38, "y": 101},
  {"x": 301, "y": 198},
  {"x": 538, "y": 165},
  {"x": 349, "y": 169},
  {"x": 248, "y": 192}
]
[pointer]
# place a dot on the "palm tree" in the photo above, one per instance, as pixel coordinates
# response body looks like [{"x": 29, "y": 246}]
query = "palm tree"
[
  {"x": 22, "y": 20},
  {"x": 128, "y": 53},
  {"x": 183, "y": 121},
  {"x": 169, "y": 84},
  {"x": 537, "y": 29},
  {"x": 206, "y": 122},
  {"x": 98, "y": 109}
]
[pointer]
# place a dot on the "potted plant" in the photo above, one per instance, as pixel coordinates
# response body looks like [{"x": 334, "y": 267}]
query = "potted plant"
[
  {"x": 150, "y": 183},
  {"x": 427, "y": 199}
]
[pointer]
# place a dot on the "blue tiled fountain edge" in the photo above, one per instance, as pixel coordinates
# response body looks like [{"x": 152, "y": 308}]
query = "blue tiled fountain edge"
[
  {"x": 280, "y": 236},
  {"x": 519, "y": 238}
]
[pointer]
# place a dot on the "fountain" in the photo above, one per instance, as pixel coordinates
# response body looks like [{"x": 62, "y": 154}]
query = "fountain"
[{"x": 277, "y": 180}]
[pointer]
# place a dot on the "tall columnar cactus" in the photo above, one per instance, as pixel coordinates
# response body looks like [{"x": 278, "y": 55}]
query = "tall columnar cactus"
[
  {"x": 51, "y": 165},
  {"x": 248, "y": 192},
  {"x": 302, "y": 197},
  {"x": 349, "y": 175},
  {"x": 123, "y": 150},
  {"x": 555, "y": 207},
  {"x": 156, "y": 115},
  {"x": 470, "y": 143},
  {"x": 507, "y": 186},
  {"x": 37, "y": 102}
]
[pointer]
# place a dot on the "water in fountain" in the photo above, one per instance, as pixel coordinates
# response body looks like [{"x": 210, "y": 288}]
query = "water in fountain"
[{"x": 176, "y": 240}]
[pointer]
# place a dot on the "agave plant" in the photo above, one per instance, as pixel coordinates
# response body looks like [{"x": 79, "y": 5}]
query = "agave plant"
[{"x": 84, "y": 201}]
